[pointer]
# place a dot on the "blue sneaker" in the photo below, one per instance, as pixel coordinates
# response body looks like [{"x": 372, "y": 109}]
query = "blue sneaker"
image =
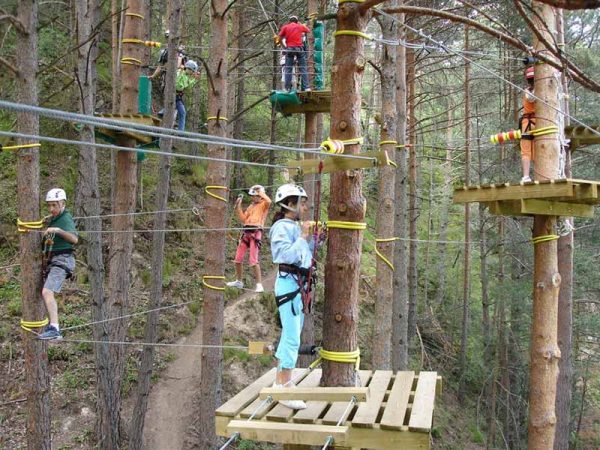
[{"x": 50, "y": 334}]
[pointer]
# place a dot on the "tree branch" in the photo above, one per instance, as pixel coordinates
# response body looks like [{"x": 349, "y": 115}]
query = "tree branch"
[
  {"x": 14, "y": 21},
  {"x": 575, "y": 73},
  {"x": 242, "y": 112},
  {"x": 572, "y": 4},
  {"x": 9, "y": 66}
]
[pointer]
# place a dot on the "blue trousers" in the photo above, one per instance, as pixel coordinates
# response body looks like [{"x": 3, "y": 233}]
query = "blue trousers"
[
  {"x": 289, "y": 343},
  {"x": 181, "y": 113},
  {"x": 291, "y": 55}
]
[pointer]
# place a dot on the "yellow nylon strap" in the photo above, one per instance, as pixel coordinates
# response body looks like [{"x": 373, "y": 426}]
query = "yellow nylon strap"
[
  {"x": 346, "y": 225},
  {"x": 402, "y": 146},
  {"x": 333, "y": 146},
  {"x": 353, "y": 33},
  {"x": 354, "y": 141},
  {"x": 392, "y": 163},
  {"x": 378, "y": 253},
  {"x": 543, "y": 131},
  {"x": 132, "y": 61},
  {"x": 208, "y": 189},
  {"x": 217, "y": 118},
  {"x": 212, "y": 277},
  {"x": 139, "y": 16},
  {"x": 141, "y": 42},
  {"x": 24, "y": 227},
  {"x": 546, "y": 238},
  {"x": 29, "y": 325},
  {"x": 16, "y": 147},
  {"x": 340, "y": 357},
  {"x": 350, "y": 1},
  {"x": 388, "y": 142}
]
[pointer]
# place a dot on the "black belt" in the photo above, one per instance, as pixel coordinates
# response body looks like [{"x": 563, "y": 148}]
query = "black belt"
[
  {"x": 68, "y": 251},
  {"x": 289, "y": 268}
]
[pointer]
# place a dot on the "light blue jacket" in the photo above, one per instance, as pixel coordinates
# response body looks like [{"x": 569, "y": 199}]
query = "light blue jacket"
[{"x": 287, "y": 244}]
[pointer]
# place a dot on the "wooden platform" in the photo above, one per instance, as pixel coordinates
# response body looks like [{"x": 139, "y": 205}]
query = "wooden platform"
[
  {"x": 312, "y": 101},
  {"x": 333, "y": 163},
  {"x": 142, "y": 119},
  {"x": 396, "y": 413},
  {"x": 566, "y": 197},
  {"x": 582, "y": 136}
]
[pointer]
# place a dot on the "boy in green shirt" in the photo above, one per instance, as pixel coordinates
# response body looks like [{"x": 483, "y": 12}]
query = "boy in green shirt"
[{"x": 60, "y": 260}]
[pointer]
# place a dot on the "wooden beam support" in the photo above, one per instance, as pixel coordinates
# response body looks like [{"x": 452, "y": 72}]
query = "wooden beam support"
[
  {"x": 288, "y": 433},
  {"x": 542, "y": 207},
  {"x": 330, "y": 394},
  {"x": 469, "y": 194},
  {"x": 337, "y": 163}
]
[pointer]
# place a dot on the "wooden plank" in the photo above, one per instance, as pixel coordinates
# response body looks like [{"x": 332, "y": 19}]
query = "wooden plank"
[
  {"x": 330, "y": 394},
  {"x": 221, "y": 423},
  {"x": 313, "y": 410},
  {"x": 506, "y": 208},
  {"x": 395, "y": 408},
  {"x": 282, "y": 413},
  {"x": 421, "y": 416},
  {"x": 559, "y": 188},
  {"x": 366, "y": 414},
  {"x": 337, "y": 409},
  {"x": 288, "y": 433},
  {"x": 337, "y": 163},
  {"x": 246, "y": 395},
  {"x": 386, "y": 439},
  {"x": 554, "y": 208},
  {"x": 256, "y": 409}
]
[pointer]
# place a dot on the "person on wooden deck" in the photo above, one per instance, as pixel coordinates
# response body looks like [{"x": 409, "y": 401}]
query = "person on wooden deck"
[
  {"x": 526, "y": 124},
  {"x": 290, "y": 36},
  {"x": 59, "y": 238},
  {"x": 253, "y": 219},
  {"x": 291, "y": 249}
]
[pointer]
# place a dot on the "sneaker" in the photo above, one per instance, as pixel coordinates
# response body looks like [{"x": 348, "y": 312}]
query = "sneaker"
[
  {"x": 236, "y": 284},
  {"x": 525, "y": 180},
  {"x": 307, "y": 90},
  {"x": 50, "y": 334},
  {"x": 259, "y": 288},
  {"x": 292, "y": 404}
]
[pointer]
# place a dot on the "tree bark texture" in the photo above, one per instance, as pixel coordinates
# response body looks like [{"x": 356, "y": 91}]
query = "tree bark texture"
[
  {"x": 546, "y": 279},
  {"x": 216, "y": 217},
  {"x": 400, "y": 306},
  {"x": 382, "y": 325},
  {"x": 158, "y": 239},
  {"x": 28, "y": 188},
  {"x": 121, "y": 247},
  {"x": 413, "y": 213},
  {"x": 114, "y": 43},
  {"x": 342, "y": 269}
]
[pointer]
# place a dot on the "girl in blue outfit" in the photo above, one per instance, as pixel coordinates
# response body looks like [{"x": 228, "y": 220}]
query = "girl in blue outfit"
[{"x": 291, "y": 250}]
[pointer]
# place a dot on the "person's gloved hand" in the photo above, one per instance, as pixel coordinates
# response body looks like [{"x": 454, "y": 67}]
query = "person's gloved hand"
[{"x": 277, "y": 40}]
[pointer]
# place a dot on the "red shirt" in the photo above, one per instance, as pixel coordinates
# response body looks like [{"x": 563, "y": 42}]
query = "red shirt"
[{"x": 292, "y": 33}]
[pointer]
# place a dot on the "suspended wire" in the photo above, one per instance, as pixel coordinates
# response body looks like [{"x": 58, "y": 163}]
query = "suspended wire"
[
  {"x": 195, "y": 210},
  {"x": 148, "y": 344}
]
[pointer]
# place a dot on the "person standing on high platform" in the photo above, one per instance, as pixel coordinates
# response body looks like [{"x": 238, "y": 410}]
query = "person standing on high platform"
[
  {"x": 527, "y": 124},
  {"x": 290, "y": 36}
]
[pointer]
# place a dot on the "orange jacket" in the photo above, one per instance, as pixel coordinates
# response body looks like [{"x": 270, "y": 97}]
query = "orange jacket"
[
  {"x": 256, "y": 213},
  {"x": 528, "y": 103}
]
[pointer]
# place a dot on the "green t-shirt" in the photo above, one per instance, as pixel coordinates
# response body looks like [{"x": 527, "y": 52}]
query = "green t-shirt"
[{"x": 65, "y": 222}]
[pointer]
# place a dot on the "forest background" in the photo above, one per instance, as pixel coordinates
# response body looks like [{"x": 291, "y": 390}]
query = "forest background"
[{"x": 485, "y": 400}]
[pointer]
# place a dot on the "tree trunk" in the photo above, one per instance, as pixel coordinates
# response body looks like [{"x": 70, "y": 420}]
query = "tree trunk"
[
  {"x": 116, "y": 63},
  {"x": 122, "y": 241},
  {"x": 28, "y": 188},
  {"x": 240, "y": 88},
  {"x": 400, "y": 306},
  {"x": 273, "y": 123},
  {"x": 216, "y": 217},
  {"x": 413, "y": 213},
  {"x": 467, "y": 247},
  {"x": 546, "y": 279},
  {"x": 342, "y": 270},
  {"x": 564, "y": 384},
  {"x": 158, "y": 238},
  {"x": 382, "y": 324}
]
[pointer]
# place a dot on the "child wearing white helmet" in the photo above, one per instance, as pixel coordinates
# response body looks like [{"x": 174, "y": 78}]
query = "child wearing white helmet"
[
  {"x": 60, "y": 236},
  {"x": 291, "y": 249},
  {"x": 253, "y": 219}
]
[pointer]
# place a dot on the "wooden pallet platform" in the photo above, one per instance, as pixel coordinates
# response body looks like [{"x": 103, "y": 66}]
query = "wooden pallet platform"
[
  {"x": 311, "y": 101},
  {"x": 566, "y": 197},
  {"x": 142, "y": 119},
  {"x": 335, "y": 163},
  {"x": 397, "y": 412}
]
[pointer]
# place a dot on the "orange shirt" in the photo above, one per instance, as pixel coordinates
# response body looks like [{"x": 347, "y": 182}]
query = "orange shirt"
[
  {"x": 528, "y": 103},
  {"x": 256, "y": 213}
]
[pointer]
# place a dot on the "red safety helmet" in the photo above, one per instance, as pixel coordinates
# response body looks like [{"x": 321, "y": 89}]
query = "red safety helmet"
[{"x": 529, "y": 73}]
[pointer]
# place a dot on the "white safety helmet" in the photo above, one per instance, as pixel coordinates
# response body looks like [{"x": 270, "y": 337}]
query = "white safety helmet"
[
  {"x": 191, "y": 64},
  {"x": 254, "y": 190},
  {"x": 55, "y": 195},
  {"x": 289, "y": 190}
]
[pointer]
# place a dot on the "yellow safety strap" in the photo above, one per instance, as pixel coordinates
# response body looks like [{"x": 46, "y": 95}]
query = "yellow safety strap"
[
  {"x": 392, "y": 163},
  {"x": 378, "y": 253},
  {"x": 402, "y": 146},
  {"x": 341, "y": 357},
  {"x": 24, "y": 227},
  {"x": 141, "y": 42},
  {"x": 353, "y": 141},
  {"x": 388, "y": 142},
  {"x": 546, "y": 238},
  {"x": 16, "y": 147},
  {"x": 346, "y": 225},
  {"x": 353, "y": 33},
  {"x": 132, "y": 61},
  {"x": 332, "y": 146},
  {"x": 350, "y": 1},
  {"x": 139, "y": 16},
  {"x": 212, "y": 277},
  {"x": 217, "y": 118},
  {"x": 29, "y": 325},
  {"x": 544, "y": 131},
  {"x": 207, "y": 189}
]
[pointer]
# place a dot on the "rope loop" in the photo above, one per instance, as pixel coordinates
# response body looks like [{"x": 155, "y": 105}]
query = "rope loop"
[
  {"x": 333, "y": 146},
  {"x": 352, "y": 357},
  {"x": 545, "y": 238},
  {"x": 388, "y": 143},
  {"x": 340, "y": 2},
  {"x": 353, "y": 33},
  {"x": 28, "y": 325},
  {"x": 208, "y": 189},
  {"x": 217, "y": 118},
  {"x": 132, "y": 61},
  {"x": 212, "y": 277},
  {"x": 139, "y": 16},
  {"x": 17, "y": 147},
  {"x": 24, "y": 227},
  {"x": 381, "y": 255},
  {"x": 346, "y": 225}
]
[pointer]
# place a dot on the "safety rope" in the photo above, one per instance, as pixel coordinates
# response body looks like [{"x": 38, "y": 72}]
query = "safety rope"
[
  {"x": 24, "y": 227},
  {"x": 545, "y": 238},
  {"x": 388, "y": 143},
  {"x": 141, "y": 42},
  {"x": 213, "y": 277},
  {"x": 16, "y": 147},
  {"x": 378, "y": 253},
  {"x": 346, "y": 225},
  {"x": 208, "y": 189},
  {"x": 353, "y": 33},
  {"x": 341, "y": 2},
  {"x": 136, "y": 15},
  {"x": 28, "y": 325},
  {"x": 131, "y": 60},
  {"x": 352, "y": 357},
  {"x": 217, "y": 118}
]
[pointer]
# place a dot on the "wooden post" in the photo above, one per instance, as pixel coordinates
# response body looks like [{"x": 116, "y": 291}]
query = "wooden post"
[
  {"x": 342, "y": 269},
  {"x": 216, "y": 217},
  {"x": 28, "y": 188},
  {"x": 546, "y": 279},
  {"x": 109, "y": 391}
]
